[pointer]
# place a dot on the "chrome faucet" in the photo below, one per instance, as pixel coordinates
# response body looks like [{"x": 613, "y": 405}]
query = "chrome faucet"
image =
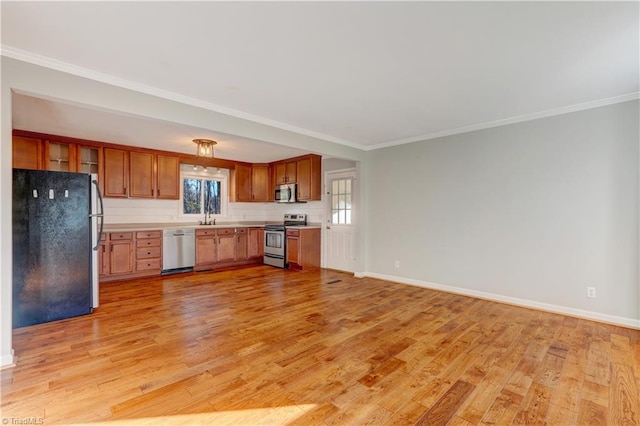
[{"x": 207, "y": 222}]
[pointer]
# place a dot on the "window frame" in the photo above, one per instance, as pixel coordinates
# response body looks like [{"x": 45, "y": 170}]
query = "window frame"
[{"x": 187, "y": 172}]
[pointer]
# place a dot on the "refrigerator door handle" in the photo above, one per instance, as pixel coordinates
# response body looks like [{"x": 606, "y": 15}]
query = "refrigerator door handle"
[{"x": 99, "y": 215}]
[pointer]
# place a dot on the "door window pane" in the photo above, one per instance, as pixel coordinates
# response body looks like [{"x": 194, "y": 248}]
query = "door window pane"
[{"x": 341, "y": 201}]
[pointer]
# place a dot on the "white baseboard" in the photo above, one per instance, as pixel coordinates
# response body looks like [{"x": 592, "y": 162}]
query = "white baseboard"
[
  {"x": 7, "y": 361},
  {"x": 564, "y": 310}
]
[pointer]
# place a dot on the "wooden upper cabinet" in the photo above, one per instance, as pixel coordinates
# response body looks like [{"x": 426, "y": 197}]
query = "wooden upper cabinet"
[
  {"x": 260, "y": 183},
  {"x": 60, "y": 157},
  {"x": 240, "y": 188},
  {"x": 116, "y": 173},
  {"x": 285, "y": 172},
  {"x": 141, "y": 175},
  {"x": 304, "y": 171},
  {"x": 146, "y": 174},
  {"x": 27, "y": 153},
  {"x": 89, "y": 159},
  {"x": 125, "y": 171},
  {"x": 309, "y": 178},
  {"x": 168, "y": 181}
]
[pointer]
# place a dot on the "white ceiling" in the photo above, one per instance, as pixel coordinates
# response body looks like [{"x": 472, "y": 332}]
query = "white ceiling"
[{"x": 366, "y": 74}]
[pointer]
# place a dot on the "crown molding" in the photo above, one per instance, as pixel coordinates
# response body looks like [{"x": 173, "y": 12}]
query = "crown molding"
[
  {"x": 47, "y": 62},
  {"x": 512, "y": 120}
]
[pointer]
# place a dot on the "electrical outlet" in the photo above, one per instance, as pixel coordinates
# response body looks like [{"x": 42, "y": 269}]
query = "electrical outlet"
[
  {"x": 591, "y": 292},
  {"x": 397, "y": 264}
]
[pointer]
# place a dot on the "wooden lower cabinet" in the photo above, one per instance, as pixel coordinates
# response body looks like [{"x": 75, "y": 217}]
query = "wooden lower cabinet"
[
  {"x": 222, "y": 248},
  {"x": 149, "y": 252},
  {"x": 125, "y": 255},
  {"x": 226, "y": 244},
  {"x": 293, "y": 248},
  {"x": 205, "y": 248},
  {"x": 117, "y": 255},
  {"x": 242, "y": 244},
  {"x": 103, "y": 257},
  {"x": 256, "y": 243},
  {"x": 303, "y": 249}
]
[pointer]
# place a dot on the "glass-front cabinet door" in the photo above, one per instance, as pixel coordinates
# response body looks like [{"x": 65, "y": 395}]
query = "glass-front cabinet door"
[
  {"x": 89, "y": 159},
  {"x": 60, "y": 157}
]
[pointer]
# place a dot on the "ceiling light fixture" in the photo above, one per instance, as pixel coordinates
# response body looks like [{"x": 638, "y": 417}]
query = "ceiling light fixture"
[{"x": 205, "y": 147}]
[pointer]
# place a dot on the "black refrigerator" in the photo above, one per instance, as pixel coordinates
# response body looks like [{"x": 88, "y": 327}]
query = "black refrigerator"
[{"x": 53, "y": 242}]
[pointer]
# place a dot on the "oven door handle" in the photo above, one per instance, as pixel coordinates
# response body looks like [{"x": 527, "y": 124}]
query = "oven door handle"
[{"x": 273, "y": 256}]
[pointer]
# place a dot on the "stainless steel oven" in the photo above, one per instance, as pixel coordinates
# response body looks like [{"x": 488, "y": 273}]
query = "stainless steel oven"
[
  {"x": 274, "y": 245},
  {"x": 275, "y": 241}
]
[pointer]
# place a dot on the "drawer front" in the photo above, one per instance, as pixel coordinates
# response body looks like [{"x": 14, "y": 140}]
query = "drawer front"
[
  {"x": 120, "y": 236},
  {"x": 151, "y": 242},
  {"x": 205, "y": 232},
  {"x": 293, "y": 232},
  {"x": 147, "y": 264},
  {"x": 146, "y": 253},
  {"x": 226, "y": 231},
  {"x": 148, "y": 234},
  {"x": 241, "y": 230}
]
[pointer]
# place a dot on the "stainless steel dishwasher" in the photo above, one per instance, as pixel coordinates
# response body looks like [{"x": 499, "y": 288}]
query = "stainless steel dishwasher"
[{"x": 178, "y": 250}]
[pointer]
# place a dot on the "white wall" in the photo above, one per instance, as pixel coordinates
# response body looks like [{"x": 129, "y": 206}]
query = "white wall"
[
  {"x": 6, "y": 305},
  {"x": 137, "y": 210},
  {"x": 532, "y": 212}
]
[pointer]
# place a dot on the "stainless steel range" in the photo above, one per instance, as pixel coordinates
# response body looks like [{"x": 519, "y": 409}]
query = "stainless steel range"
[{"x": 275, "y": 241}]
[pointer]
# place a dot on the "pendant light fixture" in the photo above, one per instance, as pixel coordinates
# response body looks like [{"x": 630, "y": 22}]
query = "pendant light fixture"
[{"x": 205, "y": 147}]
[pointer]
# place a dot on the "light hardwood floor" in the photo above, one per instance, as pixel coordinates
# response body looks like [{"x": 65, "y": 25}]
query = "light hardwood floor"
[{"x": 263, "y": 345}]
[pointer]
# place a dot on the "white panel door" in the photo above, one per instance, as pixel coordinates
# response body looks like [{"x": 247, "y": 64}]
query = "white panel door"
[{"x": 339, "y": 235}]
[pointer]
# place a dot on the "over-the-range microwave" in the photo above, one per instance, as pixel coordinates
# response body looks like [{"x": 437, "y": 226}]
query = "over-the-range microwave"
[{"x": 285, "y": 193}]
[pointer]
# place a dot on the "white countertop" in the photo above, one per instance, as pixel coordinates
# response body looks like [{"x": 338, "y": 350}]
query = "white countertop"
[
  {"x": 309, "y": 226},
  {"x": 125, "y": 227}
]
